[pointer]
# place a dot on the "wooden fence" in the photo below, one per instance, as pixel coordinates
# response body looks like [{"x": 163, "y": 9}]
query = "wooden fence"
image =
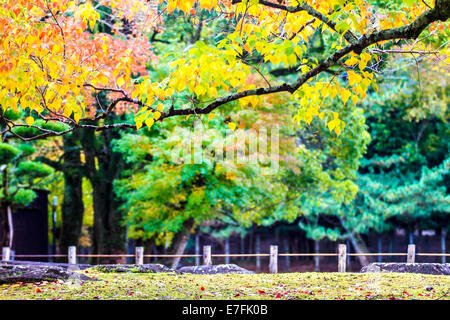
[{"x": 208, "y": 255}]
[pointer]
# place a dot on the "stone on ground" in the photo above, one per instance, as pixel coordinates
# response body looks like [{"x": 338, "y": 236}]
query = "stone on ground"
[
  {"x": 425, "y": 268},
  {"x": 48, "y": 264},
  {"x": 132, "y": 268},
  {"x": 13, "y": 273},
  {"x": 214, "y": 269}
]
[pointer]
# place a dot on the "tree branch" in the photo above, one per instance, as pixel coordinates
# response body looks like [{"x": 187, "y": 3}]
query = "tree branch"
[
  {"x": 349, "y": 36},
  {"x": 441, "y": 12}
]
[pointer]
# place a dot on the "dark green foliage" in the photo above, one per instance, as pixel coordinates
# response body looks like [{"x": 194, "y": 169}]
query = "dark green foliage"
[
  {"x": 29, "y": 132},
  {"x": 18, "y": 176},
  {"x": 403, "y": 178},
  {"x": 26, "y": 132},
  {"x": 53, "y": 126},
  {"x": 8, "y": 153},
  {"x": 23, "y": 197},
  {"x": 32, "y": 170},
  {"x": 12, "y": 115},
  {"x": 26, "y": 149}
]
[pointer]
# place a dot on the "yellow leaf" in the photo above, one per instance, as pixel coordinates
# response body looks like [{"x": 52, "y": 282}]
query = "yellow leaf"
[
  {"x": 208, "y": 4},
  {"x": 57, "y": 48},
  {"x": 138, "y": 123},
  {"x": 29, "y": 120},
  {"x": 351, "y": 61},
  {"x": 345, "y": 95},
  {"x": 149, "y": 122},
  {"x": 232, "y": 125},
  {"x": 120, "y": 81},
  {"x": 234, "y": 82},
  {"x": 170, "y": 91},
  {"x": 135, "y": 94},
  {"x": 332, "y": 124},
  {"x": 199, "y": 90},
  {"x": 337, "y": 130},
  {"x": 365, "y": 57},
  {"x": 156, "y": 115},
  {"x": 77, "y": 117},
  {"x": 103, "y": 80},
  {"x": 354, "y": 78}
]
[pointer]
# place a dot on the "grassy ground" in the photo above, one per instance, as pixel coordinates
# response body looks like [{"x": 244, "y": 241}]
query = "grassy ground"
[{"x": 258, "y": 286}]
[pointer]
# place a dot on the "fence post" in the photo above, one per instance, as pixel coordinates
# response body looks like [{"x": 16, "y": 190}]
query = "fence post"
[
  {"x": 139, "y": 255},
  {"x": 380, "y": 247},
  {"x": 348, "y": 263},
  {"x": 6, "y": 253},
  {"x": 286, "y": 249},
  {"x": 72, "y": 255},
  {"x": 273, "y": 264},
  {"x": 258, "y": 251},
  {"x": 342, "y": 257},
  {"x": 227, "y": 250},
  {"x": 197, "y": 249},
  {"x": 316, "y": 258},
  {"x": 242, "y": 247},
  {"x": 411, "y": 253},
  {"x": 207, "y": 256}
]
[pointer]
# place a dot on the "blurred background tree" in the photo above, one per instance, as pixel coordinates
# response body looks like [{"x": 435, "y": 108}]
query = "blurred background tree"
[{"x": 19, "y": 175}]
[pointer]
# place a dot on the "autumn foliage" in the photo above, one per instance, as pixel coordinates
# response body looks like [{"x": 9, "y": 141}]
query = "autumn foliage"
[{"x": 55, "y": 57}]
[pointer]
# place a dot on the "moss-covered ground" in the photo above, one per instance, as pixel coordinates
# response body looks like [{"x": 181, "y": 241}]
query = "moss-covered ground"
[{"x": 328, "y": 286}]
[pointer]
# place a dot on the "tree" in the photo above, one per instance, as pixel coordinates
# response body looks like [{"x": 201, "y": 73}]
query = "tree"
[
  {"x": 63, "y": 154},
  {"x": 169, "y": 190},
  {"x": 401, "y": 179},
  {"x": 60, "y": 86},
  {"x": 19, "y": 176},
  {"x": 85, "y": 153}
]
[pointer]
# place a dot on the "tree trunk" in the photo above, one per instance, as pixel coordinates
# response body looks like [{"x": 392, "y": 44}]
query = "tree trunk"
[
  {"x": 180, "y": 241},
  {"x": 6, "y": 214},
  {"x": 10, "y": 225},
  {"x": 109, "y": 234},
  {"x": 242, "y": 247},
  {"x": 72, "y": 204},
  {"x": 148, "y": 248},
  {"x": 380, "y": 247},
  {"x": 103, "y": 166},
  {"x": 286, "y": 250},
  {"x": 360, "y": 247},
  {"x": 198, "y": 32},
  {"x": 7, "y": 222},
  {"x": 5, "y": 227}
]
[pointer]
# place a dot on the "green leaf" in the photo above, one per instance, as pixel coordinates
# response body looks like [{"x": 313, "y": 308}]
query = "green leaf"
[
  {"x": 342, "y": 27},
  {"x": 8, "y": 153},
  {"x": 32, "y": 169}
]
